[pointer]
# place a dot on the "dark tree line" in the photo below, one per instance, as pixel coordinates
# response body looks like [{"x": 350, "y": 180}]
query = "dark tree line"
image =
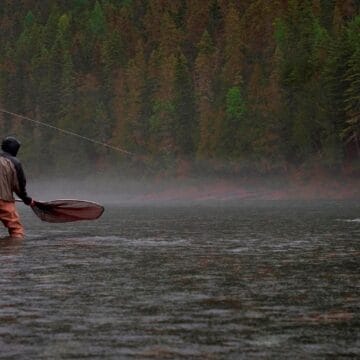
[{"x": 254, "y": 84}]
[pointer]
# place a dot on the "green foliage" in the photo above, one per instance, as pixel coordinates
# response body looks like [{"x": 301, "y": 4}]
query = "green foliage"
[
  {"x": 127, "y": 2},
  {"x": 63, "y": 23},
  {"x": 80, "y": 3},
  {"x": 280, "y": 32},
  {"x": 351, "y": 131},
  {"x": 235, "y": 105},
  {"x": 241, "y": 84},
  {"x": 97, "y": 21},
  {"x": 234, "y": 137},
  {"x": 113, "y": 53},
  {"x": 29, "y": 19},
  {"x": 206, "y": 44}
]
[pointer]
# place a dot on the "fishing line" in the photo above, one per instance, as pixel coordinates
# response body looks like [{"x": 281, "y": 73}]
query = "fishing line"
[{"x": 68, "y": 132}]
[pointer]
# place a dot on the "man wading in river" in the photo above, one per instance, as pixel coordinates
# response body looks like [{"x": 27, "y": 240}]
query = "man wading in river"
[{"x": 12, "y": 180}]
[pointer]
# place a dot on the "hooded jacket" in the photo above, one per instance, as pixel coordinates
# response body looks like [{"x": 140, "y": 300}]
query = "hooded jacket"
[{"x": 12, "y": 177}]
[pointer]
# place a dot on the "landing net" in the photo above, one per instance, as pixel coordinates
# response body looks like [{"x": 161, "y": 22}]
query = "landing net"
[{"x": 60, "y": 211}]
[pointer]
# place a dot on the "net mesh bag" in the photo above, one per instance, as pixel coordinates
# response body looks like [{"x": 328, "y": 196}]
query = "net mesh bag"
[{"x": 59, "y": 211}]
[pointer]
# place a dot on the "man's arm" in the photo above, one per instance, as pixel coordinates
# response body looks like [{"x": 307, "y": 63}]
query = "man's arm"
[{"x": 22, "y": 184}]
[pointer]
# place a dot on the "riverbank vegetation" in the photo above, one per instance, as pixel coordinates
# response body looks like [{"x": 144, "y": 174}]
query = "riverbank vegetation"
[{"x": 219, "y": 85}]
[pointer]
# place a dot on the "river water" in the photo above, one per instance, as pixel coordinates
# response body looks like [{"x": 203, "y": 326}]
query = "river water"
[{"x": 271, "y": 280}]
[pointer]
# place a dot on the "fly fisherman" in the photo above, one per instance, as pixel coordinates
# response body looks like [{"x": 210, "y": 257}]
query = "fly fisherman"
[{"x": 12, "y": 180}]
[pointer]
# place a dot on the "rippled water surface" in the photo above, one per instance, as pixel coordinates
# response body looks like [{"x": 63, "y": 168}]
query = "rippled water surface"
[{"x": 257, "y": 280}]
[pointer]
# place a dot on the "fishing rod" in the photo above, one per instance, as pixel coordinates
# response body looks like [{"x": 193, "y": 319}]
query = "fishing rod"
[{"x": 67, "y": 132}]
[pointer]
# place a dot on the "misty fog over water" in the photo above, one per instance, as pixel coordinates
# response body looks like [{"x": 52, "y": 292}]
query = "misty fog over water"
[{"x": 115, "y": 190}]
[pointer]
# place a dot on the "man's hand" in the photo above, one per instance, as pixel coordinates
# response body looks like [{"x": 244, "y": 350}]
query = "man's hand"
[{"x": 28, "y": 201}]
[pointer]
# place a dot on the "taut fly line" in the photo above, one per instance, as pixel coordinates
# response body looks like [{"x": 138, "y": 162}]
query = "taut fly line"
[{"x": 68, "y": 132}]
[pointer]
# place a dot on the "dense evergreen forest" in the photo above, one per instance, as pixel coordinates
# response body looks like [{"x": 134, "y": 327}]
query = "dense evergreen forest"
[{"x": 227, "y": 85}]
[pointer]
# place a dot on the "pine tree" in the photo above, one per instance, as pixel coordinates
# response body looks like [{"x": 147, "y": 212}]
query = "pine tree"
[
  {"x": 297, "y": 38},
  {"x": 234, "y": 140},
  {"x": 162, "y": 120},
  {"x": 233, "y": 48},
  {"x": 204, "y": 83},
  {"x": 196, "y": 22},
  {"x": 166, "y": 78},
  {"x": 351, "y": 132},
  {"x": 162, "y": 71},
  {"x": 27, "y": 45},
  {"x": 131, "y": 103},
  {"x": 186, "y": 127},
  {"x": 97, "y": 21},
  {"x": 67, "y": 86}
]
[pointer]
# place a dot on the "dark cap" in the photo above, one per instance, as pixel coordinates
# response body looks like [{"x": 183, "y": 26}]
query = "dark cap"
[{"x": 10, "y": 145}]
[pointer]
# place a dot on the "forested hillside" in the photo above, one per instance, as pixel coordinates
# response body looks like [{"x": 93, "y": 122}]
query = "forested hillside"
[{"x": 251, "y": 84}]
